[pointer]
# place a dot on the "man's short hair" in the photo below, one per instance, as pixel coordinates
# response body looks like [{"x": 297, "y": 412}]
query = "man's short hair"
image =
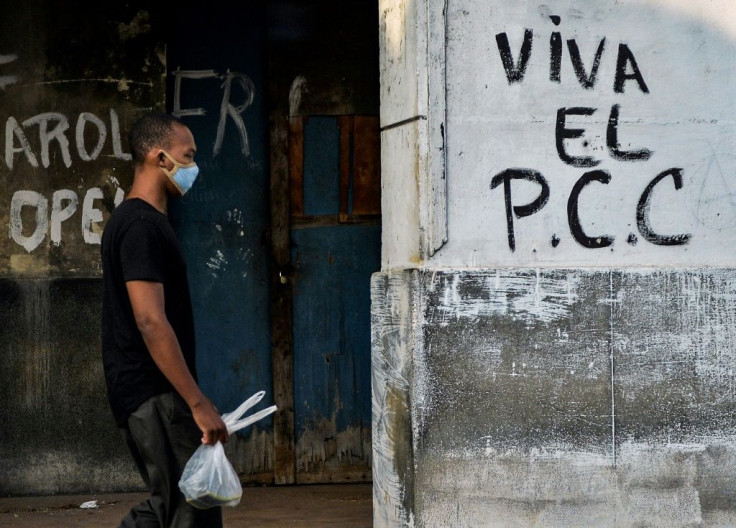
[{"x": 151, "y": 131}]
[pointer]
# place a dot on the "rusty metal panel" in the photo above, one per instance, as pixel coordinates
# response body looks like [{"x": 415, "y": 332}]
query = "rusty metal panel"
[{"x": 366, "y": 166}]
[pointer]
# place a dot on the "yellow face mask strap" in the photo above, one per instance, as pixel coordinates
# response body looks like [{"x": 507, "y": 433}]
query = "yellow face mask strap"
[{"x": 177, "y": 165}]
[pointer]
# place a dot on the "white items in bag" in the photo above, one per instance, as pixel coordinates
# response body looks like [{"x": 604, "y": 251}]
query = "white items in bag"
[{"x": 209, "y": 479}]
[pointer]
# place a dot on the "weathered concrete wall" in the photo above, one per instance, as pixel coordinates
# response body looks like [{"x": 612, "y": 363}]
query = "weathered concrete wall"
[
  {"x": 393, "y": 330},
  {"x": 56, "y": 430},
  {"x": 577, "y": 134},
  {"x": 553, "y": 323},
  {"x": 555, "y": 398},
  {"x": 73, "y": 77},
  {"x": 70, "y": 91}
]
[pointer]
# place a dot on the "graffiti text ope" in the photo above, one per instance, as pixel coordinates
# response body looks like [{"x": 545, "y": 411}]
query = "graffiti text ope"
[{"x": 64, "y": 204}]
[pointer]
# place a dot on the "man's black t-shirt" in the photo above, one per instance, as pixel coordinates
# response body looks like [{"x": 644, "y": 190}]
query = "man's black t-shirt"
[{"x": 138, "y": 243}]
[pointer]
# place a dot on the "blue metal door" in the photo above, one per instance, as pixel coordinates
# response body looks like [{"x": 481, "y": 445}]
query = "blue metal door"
[
  {"x": 302, "y": 336},
  {"x": 216, "y": 84},
  {"x": 335, "y": 247}
]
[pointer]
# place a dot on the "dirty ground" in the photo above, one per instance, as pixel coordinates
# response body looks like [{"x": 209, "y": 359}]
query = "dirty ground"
[{"x": 318, "y": 505}]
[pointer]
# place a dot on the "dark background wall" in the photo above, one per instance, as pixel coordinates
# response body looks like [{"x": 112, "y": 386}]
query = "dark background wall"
[
  {"x": 73, "y": 78},
  {"x": 216, "y": 83},
  {"x": 63, "y": 66}
]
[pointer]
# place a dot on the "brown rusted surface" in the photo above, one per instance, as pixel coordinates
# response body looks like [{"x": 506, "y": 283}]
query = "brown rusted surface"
[
  {"x": 367, "y": 166},
  {"x": 345, "y": 123},
  {"x": 282, "y": 355}
]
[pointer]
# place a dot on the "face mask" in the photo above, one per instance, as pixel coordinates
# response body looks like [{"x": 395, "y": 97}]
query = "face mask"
[{"x": 183, "y": 174}]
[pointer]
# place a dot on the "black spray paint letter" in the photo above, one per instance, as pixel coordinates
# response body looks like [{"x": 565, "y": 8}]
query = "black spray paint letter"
[
  {"x": 613, "y": 145},
  {"x": 520, "y": 211},
  {"x": 555, "y": 56},
  {"x": 642, "y": 212},
  {"x": 562, "y": 133},
  {"x": 626, "y": 57},
  {"x": 586, "y": 81},
  {"x": 514, "y": 72},
  {"x": 573, "y": 219}
]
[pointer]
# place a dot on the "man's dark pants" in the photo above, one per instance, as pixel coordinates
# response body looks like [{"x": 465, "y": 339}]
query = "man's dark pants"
[{"x": 162, "y": 436}]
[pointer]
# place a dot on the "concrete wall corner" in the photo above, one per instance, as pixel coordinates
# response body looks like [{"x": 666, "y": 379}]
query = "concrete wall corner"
[{"x": 392, "y": 334}]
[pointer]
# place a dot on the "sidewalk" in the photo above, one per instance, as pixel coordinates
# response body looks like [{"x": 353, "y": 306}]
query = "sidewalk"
[{"x": 316, "y": 505}]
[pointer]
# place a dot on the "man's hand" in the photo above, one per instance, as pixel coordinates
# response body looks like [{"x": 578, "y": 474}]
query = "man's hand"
[{"x": 210, "y": 423}]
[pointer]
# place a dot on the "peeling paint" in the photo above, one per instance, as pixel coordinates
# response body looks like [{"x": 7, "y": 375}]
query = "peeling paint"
[
  {"x": 251, "y": 454},
  {"x": 140, "y": 25},
  {"x": 529, "y": 295},
  {"x": 298, "y": 88},
  {"x": 324, "y": 445}
]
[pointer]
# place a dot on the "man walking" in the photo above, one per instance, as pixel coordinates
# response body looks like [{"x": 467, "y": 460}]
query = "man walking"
[{"x": 148, "y": 328}]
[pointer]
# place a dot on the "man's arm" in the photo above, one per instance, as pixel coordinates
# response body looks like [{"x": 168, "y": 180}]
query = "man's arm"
[{"x": 147, "y": 300}]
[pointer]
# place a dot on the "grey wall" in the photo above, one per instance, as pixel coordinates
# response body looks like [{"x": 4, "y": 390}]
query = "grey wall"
[{"x": 555, "y": 398}]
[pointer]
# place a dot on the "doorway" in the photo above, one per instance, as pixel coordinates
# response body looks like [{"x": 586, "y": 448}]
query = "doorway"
[{"x": 335, "y": 237}]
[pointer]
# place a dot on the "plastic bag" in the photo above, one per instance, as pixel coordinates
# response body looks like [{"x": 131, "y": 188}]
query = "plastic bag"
[{"x": 209, "y": 478}]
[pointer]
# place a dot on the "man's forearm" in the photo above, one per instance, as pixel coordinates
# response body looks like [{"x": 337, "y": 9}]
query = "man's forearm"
[{"x": 166, "y": 353}]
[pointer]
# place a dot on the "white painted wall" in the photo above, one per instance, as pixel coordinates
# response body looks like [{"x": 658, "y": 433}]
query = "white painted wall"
[
  {"x": 414, "y": 203},
  {"x": 684, "y": 52}
]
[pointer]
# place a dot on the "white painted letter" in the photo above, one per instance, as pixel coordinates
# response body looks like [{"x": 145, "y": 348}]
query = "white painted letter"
[
  {"x": 119, "y": 196},
  {"x": 42, "y": 120},
  {"x": 13, "y": 130},
  {"x": 117, "y": 147},
  {"x": 188, "y": 74},
  {"x": 227, "y": 109},
  {"x": 6, "y": 80},
  {"x": 91, "y": 215},
  {"x": 101, "y": 136},
  {"x": 58, "y": 215},
  {"x": 32, "y": 199}
]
